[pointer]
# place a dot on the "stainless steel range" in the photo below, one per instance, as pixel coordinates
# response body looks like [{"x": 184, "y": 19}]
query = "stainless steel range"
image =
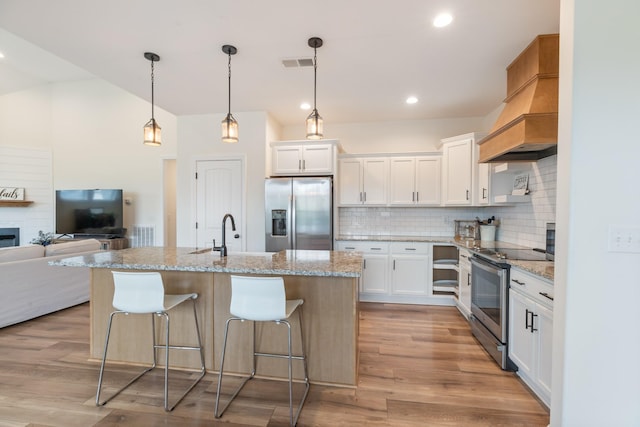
[{"x": 490, "y": 298}]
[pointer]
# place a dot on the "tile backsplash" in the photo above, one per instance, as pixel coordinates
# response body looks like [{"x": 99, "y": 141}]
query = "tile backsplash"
[{"x": 522, "y": 224}]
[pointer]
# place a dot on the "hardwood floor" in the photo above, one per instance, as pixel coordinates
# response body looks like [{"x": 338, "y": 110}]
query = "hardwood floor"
[{"x": 419, "y": 366}]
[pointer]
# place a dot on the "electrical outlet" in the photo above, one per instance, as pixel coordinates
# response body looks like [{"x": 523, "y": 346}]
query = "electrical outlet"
[{"x": 624, "y": 239}]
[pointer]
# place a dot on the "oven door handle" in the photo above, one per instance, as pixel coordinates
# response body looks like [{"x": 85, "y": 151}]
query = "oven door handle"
[{"x": 489, "y": 268}]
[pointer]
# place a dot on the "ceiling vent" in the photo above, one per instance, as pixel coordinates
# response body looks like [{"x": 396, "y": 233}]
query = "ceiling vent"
[{"x": 296, "y": 63}]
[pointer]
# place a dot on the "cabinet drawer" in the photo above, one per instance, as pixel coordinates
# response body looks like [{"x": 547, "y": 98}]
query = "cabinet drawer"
[
  {"x": 536, "y": 288},
  {"x": 409, "y": 248},
  {"x": 365, "y": 247}
]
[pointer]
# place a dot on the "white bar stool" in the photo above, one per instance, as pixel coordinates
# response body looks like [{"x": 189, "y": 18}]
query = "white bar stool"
[
  {"x": 143, "y": 293},
  {"x": 263, "y": 299}
]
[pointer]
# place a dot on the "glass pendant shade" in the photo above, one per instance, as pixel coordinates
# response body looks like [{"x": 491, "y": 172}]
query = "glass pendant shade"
[
  {"x": 229, "y": 124},
  {"x": 152, "y": 133},
  {"x": 314, "y": 125},
  {"x": 229, "y": 129}
]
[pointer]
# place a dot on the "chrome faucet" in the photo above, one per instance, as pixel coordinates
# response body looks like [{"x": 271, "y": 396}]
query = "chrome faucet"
[{"x": 223, "y": 247}]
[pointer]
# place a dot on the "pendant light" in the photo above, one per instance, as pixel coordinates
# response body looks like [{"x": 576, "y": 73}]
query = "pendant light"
[
  {"x": 229, "y": 124},
  {"x": 152, "y": 132},
  {"x": 314, "y": 121}
]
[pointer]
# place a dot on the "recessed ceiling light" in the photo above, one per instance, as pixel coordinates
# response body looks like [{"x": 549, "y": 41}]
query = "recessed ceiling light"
[
  {"x": 442, "y": 20},
  {"x": 305, "y": 106},
  {"x": 1, "y": 55},
  {"x": 411, "y": 100}
]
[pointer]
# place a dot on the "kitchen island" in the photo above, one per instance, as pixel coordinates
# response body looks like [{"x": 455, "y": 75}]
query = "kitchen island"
[{"x": 326, "y": 280}]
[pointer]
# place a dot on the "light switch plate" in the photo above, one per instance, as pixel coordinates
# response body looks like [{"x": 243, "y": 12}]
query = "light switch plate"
[{"x": 624, "y": 238}]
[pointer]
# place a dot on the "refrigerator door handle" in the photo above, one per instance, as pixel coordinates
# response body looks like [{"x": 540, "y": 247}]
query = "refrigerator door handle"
[{"x": 292, "y": 223}]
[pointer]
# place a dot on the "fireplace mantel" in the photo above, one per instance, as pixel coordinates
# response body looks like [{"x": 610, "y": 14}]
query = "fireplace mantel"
[{"x": 15, "y": 203}]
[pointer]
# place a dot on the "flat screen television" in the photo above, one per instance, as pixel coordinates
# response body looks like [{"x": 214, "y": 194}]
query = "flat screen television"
[{"x": 90, "y": 212}]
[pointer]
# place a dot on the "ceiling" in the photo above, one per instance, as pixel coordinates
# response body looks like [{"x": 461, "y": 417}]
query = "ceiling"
[{"x": 375, "y": 53}]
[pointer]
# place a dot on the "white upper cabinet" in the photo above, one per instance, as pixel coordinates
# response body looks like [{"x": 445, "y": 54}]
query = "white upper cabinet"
[
  {"x": 456, "y": 182},
  {"x": 482, "y": 189},
  {"x": 464, "y": 181},
  {"x": 414, "y": 180},
  {"x": 303, "y": 157},
  {"x": 363, "y": 181}
]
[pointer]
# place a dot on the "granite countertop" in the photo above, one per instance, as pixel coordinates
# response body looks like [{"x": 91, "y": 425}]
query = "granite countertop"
[
  {"x": 543, "y": 269},
  {"x": 539, "y": 268},
  {"x": 289, "y": 262}
]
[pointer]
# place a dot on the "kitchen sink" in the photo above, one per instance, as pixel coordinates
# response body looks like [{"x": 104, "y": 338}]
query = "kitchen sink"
[{"x": 207, "y": 250}]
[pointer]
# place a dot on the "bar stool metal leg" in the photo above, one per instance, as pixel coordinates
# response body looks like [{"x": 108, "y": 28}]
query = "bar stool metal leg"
[{"x": 166, "y": 346}]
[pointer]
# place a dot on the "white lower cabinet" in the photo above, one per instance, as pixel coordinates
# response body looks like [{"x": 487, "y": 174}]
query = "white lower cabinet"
[
  {"x": 464, "y": 283},
  {"x": 375, "y": 265},
  {"x": 531, "y": 330},
  {"x": 410, "y": 269},
  {"x": 397, "y": 272},
  {"x": 374, "y": 273}
]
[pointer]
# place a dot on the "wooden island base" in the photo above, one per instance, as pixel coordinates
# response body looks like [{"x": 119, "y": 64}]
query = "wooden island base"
[{"x": 330, "y": 322}]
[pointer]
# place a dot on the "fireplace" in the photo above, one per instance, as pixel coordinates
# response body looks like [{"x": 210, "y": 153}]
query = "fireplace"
[{"x": 9, "y": 237}]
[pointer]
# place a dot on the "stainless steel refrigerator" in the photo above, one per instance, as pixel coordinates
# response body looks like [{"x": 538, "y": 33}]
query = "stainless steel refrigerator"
[{"x": 299, "y": 213}]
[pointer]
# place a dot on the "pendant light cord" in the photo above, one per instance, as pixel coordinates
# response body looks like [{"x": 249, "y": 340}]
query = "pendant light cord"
[
  {"x": 229, "y": 102},
  {"x": 315, "y": 69},
  {"x": 152, "y": 100}
]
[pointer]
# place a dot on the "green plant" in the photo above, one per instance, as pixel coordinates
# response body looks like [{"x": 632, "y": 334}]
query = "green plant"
[{"x": 43, "y": 239}]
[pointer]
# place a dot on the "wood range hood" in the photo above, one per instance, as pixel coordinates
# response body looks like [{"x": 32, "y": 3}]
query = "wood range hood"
[{"x": 527, "y": 128}]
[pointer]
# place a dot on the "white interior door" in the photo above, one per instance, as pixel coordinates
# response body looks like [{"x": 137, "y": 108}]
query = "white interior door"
[{"x": 219, "y": 191}]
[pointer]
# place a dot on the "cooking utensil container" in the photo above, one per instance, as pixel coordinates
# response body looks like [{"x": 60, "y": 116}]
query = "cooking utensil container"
[{"x": 487, "y": 233}]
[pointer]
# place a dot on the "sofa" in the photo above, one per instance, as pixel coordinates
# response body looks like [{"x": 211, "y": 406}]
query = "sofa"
[{"x": 30, "y": 287}]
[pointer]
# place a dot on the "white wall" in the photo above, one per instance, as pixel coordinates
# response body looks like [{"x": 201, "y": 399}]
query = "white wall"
[
  {"x": 596, "y": 365},
  {"x": 392, "y": 136},
  {"x": 25, "y": 118},
  {"x": 94, "y": 132},
  {"x": 199, "y": 137}
]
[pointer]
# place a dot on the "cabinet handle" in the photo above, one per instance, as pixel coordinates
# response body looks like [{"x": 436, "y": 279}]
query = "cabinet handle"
[
  {"x": 468, "y": 279},
  {"x": 484, "y": 193},
  {"x": 413, "y": 196},
  {"x": 376, "y": 249},
  {"x": 394, "y": 264},
  {"x": 364, "y": 263},
  {"x": 409, "y": 249},
  {"x": 533, "y": 329},
  {"x": 361, "y": 196},
  {"x": 417, "y": 196},
  {"x": 299, "y": 164},
  {"x": 518, "y": 282},
  {"x": 350, "y": 247},
  {"x": 365, "y": 196},
  {"x": 467, "y": 194},
  {"x": 464, "y": 256},
  {"x": 304, "y": 164},
  {"x": 526, "y": 318},
  {"x": 546, "y": 295}
]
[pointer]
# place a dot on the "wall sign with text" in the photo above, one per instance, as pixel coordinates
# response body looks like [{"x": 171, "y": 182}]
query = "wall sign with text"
[{"x": 11, "y": 193}]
